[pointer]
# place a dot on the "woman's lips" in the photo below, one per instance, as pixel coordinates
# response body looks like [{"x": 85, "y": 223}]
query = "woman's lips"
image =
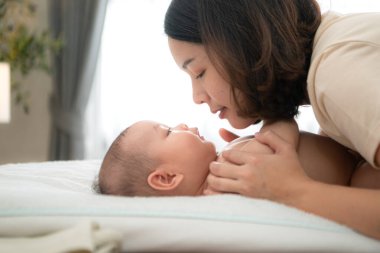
[{"x": 222, "y": 113}]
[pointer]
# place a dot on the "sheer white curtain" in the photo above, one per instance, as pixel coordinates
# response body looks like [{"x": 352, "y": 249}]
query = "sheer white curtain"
[{"x": 138, "y": 79}]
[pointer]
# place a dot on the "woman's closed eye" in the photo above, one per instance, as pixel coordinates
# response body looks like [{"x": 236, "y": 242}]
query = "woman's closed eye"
[{"x": 200, "y": 75}]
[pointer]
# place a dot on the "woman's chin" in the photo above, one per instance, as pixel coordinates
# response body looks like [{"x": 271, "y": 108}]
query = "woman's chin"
[{"x": 240, "y": 123}]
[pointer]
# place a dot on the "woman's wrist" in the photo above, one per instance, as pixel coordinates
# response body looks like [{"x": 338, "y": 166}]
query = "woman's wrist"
[{"x": 295, "y": 193}]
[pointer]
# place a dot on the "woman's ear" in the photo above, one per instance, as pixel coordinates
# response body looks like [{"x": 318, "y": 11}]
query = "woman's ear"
[{"x": 164, "y": 181}]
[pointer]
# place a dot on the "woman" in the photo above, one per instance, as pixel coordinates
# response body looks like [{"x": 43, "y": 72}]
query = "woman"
[{"x": 260, "y": 60}]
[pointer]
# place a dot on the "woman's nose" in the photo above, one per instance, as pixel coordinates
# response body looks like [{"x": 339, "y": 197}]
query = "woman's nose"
[{"x": 199, "y": 95}]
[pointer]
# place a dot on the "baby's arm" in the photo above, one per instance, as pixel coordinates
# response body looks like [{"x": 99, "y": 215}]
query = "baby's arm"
[
  {"x": 325, "y": 160},
  {"x": 365, "y": 176}
]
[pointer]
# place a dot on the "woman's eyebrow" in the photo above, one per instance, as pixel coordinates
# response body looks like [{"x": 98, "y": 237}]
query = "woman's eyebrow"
[{"x": 187, "y": 62}]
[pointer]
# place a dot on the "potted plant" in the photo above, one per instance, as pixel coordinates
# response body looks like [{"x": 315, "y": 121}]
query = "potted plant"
[{"x": 21, "y": 47}]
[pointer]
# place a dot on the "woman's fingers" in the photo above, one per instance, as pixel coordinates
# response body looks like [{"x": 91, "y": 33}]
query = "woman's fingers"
[
  {"x": 225, "y": 169},
  {"x": 223, "y": 178},
  {"x": 229, "y": 178},
  {"x": 236, "y": 156},
  {"x": 209, "y": 191},
  {"x": 220, "y": 184},
  {"x": 273, "y": 140},
  {"x": 284, "y": 163},
  {"x": 227, "y": 135},
  {"x": 255, "y": 174}
]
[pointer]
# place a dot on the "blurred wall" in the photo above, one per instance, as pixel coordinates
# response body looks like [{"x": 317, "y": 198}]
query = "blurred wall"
[{"x": 27, "y": 137}]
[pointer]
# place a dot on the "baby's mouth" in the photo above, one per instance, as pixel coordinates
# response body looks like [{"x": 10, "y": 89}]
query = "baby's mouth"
[{"x": 201, "y": 137}]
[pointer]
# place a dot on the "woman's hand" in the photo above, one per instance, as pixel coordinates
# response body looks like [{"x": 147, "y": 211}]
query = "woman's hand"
[
  {"x": 271, "y": 176},
  {"x": 280, "y": 177},
  {"x": 228, "y": 137}
]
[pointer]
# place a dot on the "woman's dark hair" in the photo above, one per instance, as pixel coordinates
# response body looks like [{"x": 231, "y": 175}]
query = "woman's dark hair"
[
  {"x": 261, "y": 47},
  {"x": 181, "y": 21}
]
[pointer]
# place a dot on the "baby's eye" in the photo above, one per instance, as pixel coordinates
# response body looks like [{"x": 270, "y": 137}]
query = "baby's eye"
[
  {"x": 169, "y": 130},
  {"x": 200, "y": 75}
]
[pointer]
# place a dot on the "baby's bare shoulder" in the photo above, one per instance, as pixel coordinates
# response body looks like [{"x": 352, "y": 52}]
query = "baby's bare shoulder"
[{"x": 248, "y": 144}]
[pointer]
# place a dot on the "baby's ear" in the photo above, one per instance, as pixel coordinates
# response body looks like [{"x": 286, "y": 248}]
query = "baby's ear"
[{"x": 164, "y": 181}]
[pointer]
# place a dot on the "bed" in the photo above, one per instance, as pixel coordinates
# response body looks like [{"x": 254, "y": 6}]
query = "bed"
[{"x": 47, "y": 205}]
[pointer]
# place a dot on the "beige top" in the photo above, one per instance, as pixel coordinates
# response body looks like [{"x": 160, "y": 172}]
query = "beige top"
[{"x": 344, "y": 80}]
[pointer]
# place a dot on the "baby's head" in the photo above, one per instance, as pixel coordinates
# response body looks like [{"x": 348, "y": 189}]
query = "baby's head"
[{"x": 152, "y": 159}]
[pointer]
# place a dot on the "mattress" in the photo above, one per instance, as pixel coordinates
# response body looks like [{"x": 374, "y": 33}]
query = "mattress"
[{"x": 41, "y": 198}]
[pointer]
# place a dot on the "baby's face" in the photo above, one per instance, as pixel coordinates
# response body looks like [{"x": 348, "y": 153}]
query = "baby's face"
[{"x": 181, "y": 148}]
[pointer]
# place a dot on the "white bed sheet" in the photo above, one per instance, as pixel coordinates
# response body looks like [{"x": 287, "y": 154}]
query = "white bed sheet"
[{"x": 40, "y": 198}]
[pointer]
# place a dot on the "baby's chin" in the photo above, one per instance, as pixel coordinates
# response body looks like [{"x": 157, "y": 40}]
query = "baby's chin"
[
  {"x": 201, "y": 191},
  {"x": 212, "y": 149}
]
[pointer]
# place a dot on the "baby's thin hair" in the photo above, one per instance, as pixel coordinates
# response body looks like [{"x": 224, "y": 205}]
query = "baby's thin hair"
[{"x": 124, "y": 170}]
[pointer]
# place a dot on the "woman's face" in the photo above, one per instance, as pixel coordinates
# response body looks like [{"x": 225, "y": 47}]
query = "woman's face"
[{"x": 207, "y": 84}]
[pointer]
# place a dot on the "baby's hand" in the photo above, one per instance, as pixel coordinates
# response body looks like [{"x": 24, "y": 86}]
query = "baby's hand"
[{"x": 227, "y": 135}]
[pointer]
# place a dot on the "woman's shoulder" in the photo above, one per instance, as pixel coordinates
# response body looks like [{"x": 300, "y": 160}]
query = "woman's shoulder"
[{"x": 337, "y": 28}]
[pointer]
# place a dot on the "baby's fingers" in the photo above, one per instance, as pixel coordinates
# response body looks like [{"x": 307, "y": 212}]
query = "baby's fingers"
[{"x": 227, "y": 135}]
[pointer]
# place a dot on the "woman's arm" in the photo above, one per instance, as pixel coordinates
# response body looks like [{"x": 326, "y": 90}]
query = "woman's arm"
[{"x": 280, "y": 177}]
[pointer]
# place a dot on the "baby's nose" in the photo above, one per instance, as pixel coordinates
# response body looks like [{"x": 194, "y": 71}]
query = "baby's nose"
[
  {"x": 194, "y": 130},
  {"x": 182, "y": 127}
]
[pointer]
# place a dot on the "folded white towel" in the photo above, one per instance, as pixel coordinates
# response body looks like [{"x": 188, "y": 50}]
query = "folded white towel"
[{"x": 84, "y": 237}]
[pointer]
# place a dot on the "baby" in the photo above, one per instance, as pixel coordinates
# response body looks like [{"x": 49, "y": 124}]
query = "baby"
[{"x": 152, "y": 159}]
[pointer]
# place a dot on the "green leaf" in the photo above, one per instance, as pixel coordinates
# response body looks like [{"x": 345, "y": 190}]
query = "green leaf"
[{"x": 23, "y": 48}]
